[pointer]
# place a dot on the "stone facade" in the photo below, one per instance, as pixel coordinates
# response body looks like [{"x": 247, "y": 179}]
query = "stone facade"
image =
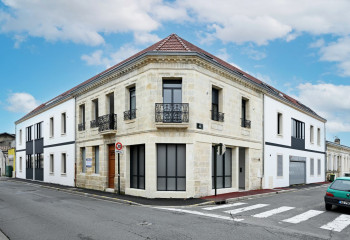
[
  {"x": 197, "y": 78},
  {"x": 338, "y": 159}
]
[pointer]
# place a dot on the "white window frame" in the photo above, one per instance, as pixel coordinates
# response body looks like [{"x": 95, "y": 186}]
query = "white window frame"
[
  {"x": 277, "y": 166},
  {"x": 63, "y": 163},
  {"x": 312, "y": 167},
  {"x": 52, "y": 163},
  {"x": 63, "y": 123},
  {"x": 312, "y": 134},
  {"x": 52, "y": 130}
]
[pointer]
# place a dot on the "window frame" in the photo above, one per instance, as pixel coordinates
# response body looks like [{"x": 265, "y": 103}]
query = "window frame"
[
  {"x": 279, "y": 161},
  {"x": 167, "y": 177},
  {"x": 52, "y": 130},
  {"x": 97, "y": 159},
  {"x": 52, "y": 163},
  {"x": 312, "y": 167},
  {"x": 279, "y": 123},
  {"x": 138, "y": 175},
  {"x": 223, "y": 175},
  {"x": 63, "y": 123},
  {"x": 298, "y": 129}
]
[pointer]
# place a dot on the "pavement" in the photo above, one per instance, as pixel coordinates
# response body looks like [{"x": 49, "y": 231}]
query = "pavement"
[{"x": 133, "y": 200}]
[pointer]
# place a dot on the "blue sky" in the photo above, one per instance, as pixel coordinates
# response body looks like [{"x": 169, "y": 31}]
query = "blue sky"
[{"x": 299, "y": 47}]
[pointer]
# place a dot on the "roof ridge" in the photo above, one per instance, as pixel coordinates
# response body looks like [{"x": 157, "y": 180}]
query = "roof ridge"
[
  {"x": 162, "y": 43},
  {"x": 182, "y": 43}
]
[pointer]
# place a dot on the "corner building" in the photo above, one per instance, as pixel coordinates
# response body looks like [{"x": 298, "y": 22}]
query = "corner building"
[{"x": 169, "y": 105}]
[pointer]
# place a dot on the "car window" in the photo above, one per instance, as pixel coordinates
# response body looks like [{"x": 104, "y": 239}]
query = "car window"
[{"x": 342, "y": 185}]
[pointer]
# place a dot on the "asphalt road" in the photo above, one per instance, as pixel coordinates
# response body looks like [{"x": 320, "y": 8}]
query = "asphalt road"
[{"x": 33, "y": 212}]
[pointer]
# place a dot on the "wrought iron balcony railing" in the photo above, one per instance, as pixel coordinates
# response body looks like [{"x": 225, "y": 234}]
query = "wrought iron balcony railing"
[
  {"x": 172, "y": 112},
  {"x": 93, "y": 123},
  {"x": 107, "y": 122},
  {"x": 245, "y": 123},
  {"x": 129, "y": 115},
  {"x": 217, "y": 116},
  {"x": 81, "y": 126}
]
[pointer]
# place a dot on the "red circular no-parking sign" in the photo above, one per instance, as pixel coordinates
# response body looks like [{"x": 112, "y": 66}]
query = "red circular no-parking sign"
[{"x": 118, "y": 146}]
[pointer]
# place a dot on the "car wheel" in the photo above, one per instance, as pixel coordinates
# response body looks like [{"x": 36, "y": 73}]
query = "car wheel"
[{"x": 328, "y": 206}]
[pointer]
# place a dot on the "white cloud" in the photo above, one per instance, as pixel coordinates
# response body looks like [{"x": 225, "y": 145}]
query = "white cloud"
[
  {"x": 319, "y": 43},
  {"x": 253, "y": 53},
  {"x": 329, "y": 101},
  {"x": 85, "y": 21},
  {"x": 21, "y": 102},
  {"x": 222, "y": 54},
  {"x": 261, "y": 21},
  {"x": 265, "y": 78},
  {"x": 144, "y": 37},
  {"x": 99, "y": 58},
  {"x": 338, "y": 52}
]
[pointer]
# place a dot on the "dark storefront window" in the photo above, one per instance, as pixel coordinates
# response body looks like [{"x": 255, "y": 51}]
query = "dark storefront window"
[
  {"x": 171, "y": 167},
  {"x": 137, "y": 166}
]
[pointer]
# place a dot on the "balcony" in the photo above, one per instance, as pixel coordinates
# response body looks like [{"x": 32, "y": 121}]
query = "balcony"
[
  {"x": 107, "y": 123},
  {"x": 93, "y": 123},
  {"x": 81, "y": 127},
  {"x": 217, "y": 116},
  {"x": 129, "y": 115},
  {"x": 245, "y": 123},
  {"x": 172, "y": 115}
]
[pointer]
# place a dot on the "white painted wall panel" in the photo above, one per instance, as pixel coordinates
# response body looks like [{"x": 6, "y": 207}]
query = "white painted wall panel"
[{"x": 67, "y": 107}]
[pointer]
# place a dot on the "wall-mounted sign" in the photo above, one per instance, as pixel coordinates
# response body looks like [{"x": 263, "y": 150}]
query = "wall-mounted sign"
[
  {"x": 118, "y": 147},
  {"x": 88, "y": 162},
  {"x": 199, "y": 126}
]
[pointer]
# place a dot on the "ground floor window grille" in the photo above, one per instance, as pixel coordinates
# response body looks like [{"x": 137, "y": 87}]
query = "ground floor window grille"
[
  {"x": 223, "y": 169},
  {"x": 39, "y": 160},
  {"x": 137, "y": 166},
  {"x": 29, "y": 161},
  {"x": 171, "y": 167}
]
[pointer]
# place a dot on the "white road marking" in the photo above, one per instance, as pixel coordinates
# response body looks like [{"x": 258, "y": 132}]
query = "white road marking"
[
  {"x": 338, "y": 224},
  {"x": 224, "y": 206},
  {"x": 273, "y": 212},
  {"x": 303, "y": 217},
  {"x": 239, "y": 210},
  {"x": 203, "y": 214}
]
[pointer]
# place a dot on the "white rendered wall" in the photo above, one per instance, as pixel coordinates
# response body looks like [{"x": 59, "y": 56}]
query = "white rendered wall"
[
  {"x": 271, "y": 108},
  {"x": 58, "y": 138}
]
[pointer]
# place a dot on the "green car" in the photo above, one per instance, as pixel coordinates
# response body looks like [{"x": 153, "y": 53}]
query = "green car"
[{"x": 338, "y": 193}]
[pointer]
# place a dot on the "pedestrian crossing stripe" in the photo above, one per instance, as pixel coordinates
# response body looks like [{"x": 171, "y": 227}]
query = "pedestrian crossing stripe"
[
  {"x": 273, "y": 212},
  {"x": 304, "y": 216},
  {"x": 338, "y": 224},
  {"x": 203, "y": 214},
  {"x": 244, "y": 209},
  {"x": 224, "y": 206}
]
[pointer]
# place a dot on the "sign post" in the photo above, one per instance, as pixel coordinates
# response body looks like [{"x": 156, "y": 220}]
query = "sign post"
[{"x": 118, "y": 149}]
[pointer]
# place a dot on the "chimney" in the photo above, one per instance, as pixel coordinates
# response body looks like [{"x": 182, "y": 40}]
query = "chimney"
[{"x": 337, "y": 140}]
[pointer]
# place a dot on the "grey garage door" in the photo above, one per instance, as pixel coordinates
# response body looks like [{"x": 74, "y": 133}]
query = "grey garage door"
[{"x": 297, "y": 171}]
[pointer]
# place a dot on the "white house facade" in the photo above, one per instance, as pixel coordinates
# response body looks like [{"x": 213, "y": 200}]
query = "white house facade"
[
  {"x": 45, "y": 143},
  {"x": 294, "y": 144},
  {"x": 338, "y": 159}
]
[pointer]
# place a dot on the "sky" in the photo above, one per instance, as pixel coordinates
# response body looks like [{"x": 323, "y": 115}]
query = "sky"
[{"x": 301, "y": 47}]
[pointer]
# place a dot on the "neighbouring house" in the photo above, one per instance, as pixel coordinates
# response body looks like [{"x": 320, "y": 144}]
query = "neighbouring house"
[
  {"x": 294, "y": 142},
  {"x": 338, "y": 159},
  {"x": 7, "y": 142},
  {"x": 45, "y": 146}
]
